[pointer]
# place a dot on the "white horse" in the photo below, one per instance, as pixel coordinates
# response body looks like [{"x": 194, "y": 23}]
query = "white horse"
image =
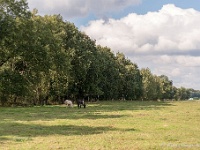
[{"x": 69, "y": 103}]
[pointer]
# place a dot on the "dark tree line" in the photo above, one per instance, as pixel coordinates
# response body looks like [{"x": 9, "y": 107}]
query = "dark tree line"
[{"x": 46, "y": 59}]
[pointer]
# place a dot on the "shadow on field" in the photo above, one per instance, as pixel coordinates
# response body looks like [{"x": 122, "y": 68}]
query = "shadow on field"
[
  {"x": 12, "y": 118},
  {"x": 93, "y": 111},
  {"x": 130, "y": 105},
  {"x": 33, "y": 130},
  {"x": 50, "y": 114}
]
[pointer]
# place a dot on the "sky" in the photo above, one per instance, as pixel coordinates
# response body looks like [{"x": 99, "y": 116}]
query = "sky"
[{"x": 162, "y": 35}]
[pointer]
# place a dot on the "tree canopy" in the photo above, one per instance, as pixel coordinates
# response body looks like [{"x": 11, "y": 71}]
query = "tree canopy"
[{"x": 44, "y": 59}]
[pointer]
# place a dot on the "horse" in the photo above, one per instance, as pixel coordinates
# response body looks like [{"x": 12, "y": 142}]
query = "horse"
[
  {"x": 81, "y": 102},
  {"x": 69, "y": 103}
]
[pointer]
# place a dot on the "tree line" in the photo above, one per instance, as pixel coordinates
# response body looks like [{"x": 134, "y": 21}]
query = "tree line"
[{"x": 44, "y": 59}]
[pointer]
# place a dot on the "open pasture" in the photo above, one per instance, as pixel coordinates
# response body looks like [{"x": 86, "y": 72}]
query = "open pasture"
[{"x": 127, "y": 125}]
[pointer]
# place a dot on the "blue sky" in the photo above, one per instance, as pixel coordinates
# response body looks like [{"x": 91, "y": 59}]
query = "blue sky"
[
  {"x": 163, "y": 35},
  {"x": 144, "y": 7}
]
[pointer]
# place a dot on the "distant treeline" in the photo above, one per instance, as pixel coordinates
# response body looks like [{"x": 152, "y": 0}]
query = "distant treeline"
[{"x": 44, "y": 59}]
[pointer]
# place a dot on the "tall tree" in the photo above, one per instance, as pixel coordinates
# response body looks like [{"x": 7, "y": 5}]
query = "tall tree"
[
  {"x": 84, "y": 65},
  {"x": 166, "y": 86},
  {"x": 13, "y": 15},
  {"x": 130, "y": 86},
  {"x": 151, "y": 85},
  {"x": 110, "y": 79}
]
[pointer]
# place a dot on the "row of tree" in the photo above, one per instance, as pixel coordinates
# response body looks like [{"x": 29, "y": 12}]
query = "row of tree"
[{"x": 46, "y": 59}]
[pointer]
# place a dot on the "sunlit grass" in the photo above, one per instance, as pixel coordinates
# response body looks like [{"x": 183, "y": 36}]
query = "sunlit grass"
[{"x": 104, "y": 125}]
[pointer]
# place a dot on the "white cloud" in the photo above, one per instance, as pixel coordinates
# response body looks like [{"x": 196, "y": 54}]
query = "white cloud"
[
  {"x": 176, "y": 72},
  {"x": 77, "y": 8},
  {"x": 188, "y": 61},
  {"x": 183, "y": 70},
  {"x": 171, "y": 30},
  {"x": 166, "y": 41}
]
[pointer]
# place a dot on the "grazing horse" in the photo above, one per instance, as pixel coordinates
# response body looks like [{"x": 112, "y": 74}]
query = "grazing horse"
[
  {"x": 69, "y": 103},
  {"x": 81, "y": 102}
]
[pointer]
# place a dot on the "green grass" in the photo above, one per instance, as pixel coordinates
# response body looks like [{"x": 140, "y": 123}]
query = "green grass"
[{"x": 115, "y": 125}]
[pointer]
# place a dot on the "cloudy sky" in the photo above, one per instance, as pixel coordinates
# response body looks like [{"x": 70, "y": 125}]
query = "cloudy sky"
[{"x": 163, "y": 35}]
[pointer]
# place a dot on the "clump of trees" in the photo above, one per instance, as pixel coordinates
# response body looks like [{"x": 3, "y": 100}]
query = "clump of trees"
[{"x": 44, "y": 59}]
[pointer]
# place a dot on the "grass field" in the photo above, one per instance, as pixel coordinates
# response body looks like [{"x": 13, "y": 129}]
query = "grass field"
[{"x": 128, "y": 125}]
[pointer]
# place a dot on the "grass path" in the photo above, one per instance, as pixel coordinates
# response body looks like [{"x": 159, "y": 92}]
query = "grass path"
[{"x": 102, "y": 126}]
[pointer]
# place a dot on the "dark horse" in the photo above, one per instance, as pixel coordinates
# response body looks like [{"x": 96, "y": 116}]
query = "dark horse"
[{"x": 81, "y": 102}]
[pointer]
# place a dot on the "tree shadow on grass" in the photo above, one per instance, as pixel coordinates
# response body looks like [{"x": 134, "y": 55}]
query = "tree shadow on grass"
[
  {"x": 46, "y": 114},
  {"x": 3, "y": 139},
  {"x": 28, "y": 131},
  {"x": 9, "y": 125},
  {"x": 130, "y": 105},
  {"x": 93, "y": 111}
]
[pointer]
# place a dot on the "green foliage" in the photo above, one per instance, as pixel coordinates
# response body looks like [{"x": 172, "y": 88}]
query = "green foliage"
[
  {"x": 32, "y": 49},
  {"x": 84, "y": 65},
  {"x": 130, "y": 78},
  {"x": 149, "y": 90},
  {"x": 44, "y": 59}
]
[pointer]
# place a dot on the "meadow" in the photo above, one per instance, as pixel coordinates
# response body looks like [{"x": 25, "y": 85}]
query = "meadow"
[{"x": 112, "y": 125}]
